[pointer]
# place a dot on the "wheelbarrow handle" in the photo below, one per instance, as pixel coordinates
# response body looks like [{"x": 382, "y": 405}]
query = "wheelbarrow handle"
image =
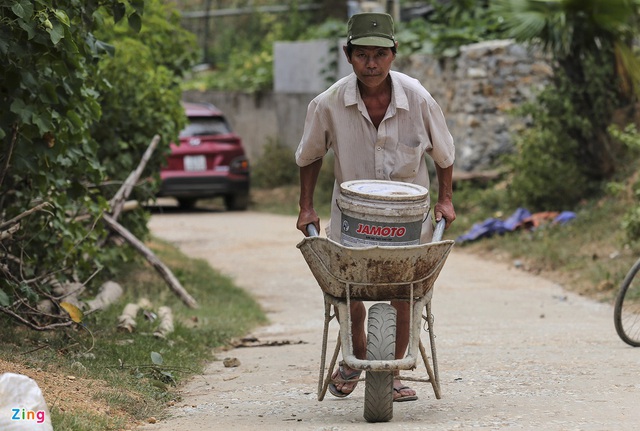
[
  {"x": 311, "y": 230},
  {"x": 439, "y": 231}
]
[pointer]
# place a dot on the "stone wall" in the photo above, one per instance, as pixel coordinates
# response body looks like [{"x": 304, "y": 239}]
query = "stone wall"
[{"x": 475, "y": 90}]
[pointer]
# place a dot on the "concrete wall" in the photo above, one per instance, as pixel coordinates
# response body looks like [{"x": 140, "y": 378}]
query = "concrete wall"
[{"x": 476, "y": 91}]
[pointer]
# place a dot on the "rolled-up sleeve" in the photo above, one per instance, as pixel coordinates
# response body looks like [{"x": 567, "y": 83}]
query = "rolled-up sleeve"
[
  {"x": 442, "y": 151},
  {"x": 315, "y": 140}
]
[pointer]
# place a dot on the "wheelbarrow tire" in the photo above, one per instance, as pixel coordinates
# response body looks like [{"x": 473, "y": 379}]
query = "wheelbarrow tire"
[{"x": 381, "y": 345}]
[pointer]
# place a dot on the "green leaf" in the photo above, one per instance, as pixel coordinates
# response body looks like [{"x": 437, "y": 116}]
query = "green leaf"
[
  {"x": 135, "y": 22},
  {"x": 23, "y": 9},
  {"x": 29, "y": 27},
  {"x": 138, "y": 5},
  {"x": 119, "y": 10},
  {"x": 57, "y": 33},
  {"x": 19, "y": 108},
  {"x": 42, "y": 121},
  {"x": 103, "y": 47},
  {"x": 4, "y": 299},
  {"x": 75, "y": 119},
  {"x": 2, "y": 133},
  {"x": 4, "y": 45},
  {"x": 62, "y": 17},
  {"x": 156, "y": 358}
]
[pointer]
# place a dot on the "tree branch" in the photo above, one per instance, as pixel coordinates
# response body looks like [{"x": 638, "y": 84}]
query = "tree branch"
[
  {"x": 164, "y": 271},
  {"x": 23, "y": 215},
  {"x": 117, "y": 202},
  {"x": 7, "y": 161},
  {"x": 32, "y": 325}
]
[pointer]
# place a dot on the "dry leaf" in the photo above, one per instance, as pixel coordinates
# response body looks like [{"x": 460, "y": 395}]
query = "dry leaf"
[{"x": 74, "y": 312}]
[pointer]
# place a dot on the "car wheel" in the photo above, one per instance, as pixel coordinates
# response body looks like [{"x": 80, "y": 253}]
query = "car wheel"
[
  {"x": 186, "y": 203},
  {"x": 237, "y": 202}
]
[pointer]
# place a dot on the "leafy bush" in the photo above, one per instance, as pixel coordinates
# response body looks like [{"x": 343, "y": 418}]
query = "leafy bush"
[
  {"x": 565, "y": 154},
  {"x": 630, "y": 138},
  {"x": 72, "y": 119},
  {"x": 241, "y": 54},
  {"x": 275, "y": 167},
  {"x": 449, "y": 26}
]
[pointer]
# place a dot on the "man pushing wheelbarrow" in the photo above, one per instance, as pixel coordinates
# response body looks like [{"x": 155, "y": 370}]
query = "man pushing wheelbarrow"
[{"x": 380, "y": 124}]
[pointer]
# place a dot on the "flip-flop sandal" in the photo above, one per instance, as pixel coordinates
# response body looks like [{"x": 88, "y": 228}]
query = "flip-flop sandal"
[
  {"x": 355, "y": 374},
  {"x": 401, "y": 398}
]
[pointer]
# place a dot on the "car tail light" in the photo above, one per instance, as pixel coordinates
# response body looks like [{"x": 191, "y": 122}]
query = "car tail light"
[{"x": 239, "y": 165}]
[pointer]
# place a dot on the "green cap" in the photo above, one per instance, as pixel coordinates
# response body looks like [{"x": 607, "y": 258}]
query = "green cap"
[{"x": 371, "y": 29}]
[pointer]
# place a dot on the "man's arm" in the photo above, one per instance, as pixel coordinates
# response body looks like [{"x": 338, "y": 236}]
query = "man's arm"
[
  {"x": 308, "y": 179},
  {"x": 444, "y": 207}
]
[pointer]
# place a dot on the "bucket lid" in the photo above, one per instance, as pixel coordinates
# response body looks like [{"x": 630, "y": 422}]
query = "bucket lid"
[{"x": 384, "y": 190}]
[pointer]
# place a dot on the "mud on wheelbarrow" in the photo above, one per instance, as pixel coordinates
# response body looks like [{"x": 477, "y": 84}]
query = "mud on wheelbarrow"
[{"x": 378, "y": 274}]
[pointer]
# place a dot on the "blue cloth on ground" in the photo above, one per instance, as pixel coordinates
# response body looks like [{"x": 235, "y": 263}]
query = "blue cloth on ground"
[
  {"x": 492, "y": 226},
  {"x": 564, "y": 217}
]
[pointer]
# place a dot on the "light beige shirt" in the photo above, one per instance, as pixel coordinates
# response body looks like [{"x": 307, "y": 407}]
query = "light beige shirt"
[{"x": 413, "y": 126}]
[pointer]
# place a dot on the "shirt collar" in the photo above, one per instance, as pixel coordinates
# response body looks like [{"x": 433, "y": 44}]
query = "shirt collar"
[{"x": 400, "y": 100}]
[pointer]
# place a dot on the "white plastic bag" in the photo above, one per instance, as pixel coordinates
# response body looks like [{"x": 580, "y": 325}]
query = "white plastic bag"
[{"x": 22, "y": 406}]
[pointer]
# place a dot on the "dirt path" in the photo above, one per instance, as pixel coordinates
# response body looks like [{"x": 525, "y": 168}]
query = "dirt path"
[{"x": 515, "y": 351}]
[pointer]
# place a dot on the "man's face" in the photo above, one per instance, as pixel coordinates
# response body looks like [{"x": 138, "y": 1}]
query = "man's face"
[{"x": 371, "y": 64}]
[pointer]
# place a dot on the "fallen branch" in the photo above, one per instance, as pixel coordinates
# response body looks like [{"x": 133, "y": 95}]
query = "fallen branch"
[
  {"x": 165, "y": 272},
  {"x": 117, "y": 202},
  {"x": 9, "y": 154},
  {"x": 109, "y": 293},
  {"x": 165, "y": 327},
  {"x": 32, "y": 325},
  {"x": 127, "y": 320},
  {"x": 9, "y": 232},
  {"x": 19, "y": 217}
]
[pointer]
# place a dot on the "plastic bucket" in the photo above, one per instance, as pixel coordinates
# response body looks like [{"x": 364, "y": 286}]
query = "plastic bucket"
[{"x": 376, "y": 212}]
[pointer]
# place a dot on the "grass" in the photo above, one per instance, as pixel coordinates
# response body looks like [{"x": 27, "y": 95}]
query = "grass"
[
  {"x": 126, "y": 383},
  {"x": 589, "y": 255}
]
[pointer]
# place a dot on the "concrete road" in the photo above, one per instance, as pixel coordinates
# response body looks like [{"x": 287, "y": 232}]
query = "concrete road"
[{"x": 515, "y": 351}]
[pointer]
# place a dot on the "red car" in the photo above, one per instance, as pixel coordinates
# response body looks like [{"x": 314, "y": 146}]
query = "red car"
[{"x": 209, "y": 162}]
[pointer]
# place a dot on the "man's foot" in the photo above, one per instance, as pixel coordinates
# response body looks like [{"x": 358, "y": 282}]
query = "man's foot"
[
  {"x": 403, "y": 393},
  {"x": 339, "y": 389}
]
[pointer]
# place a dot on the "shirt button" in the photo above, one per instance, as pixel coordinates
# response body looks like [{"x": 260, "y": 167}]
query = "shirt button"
[{"x": 379, "y": 148}]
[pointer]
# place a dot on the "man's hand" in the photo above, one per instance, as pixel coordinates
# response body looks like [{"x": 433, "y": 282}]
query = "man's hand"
[
  {"x": 445, "y": 210},
  {"x": 305, "y": 218},
  {"x": 444, "y": 207}
]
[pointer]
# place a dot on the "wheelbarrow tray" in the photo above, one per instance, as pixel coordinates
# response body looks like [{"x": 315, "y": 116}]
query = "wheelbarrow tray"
[{"x": 379, "y": 273}]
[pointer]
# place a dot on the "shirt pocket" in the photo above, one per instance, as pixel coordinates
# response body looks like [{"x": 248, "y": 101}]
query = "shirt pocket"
[{"x": 406, "y": 162}]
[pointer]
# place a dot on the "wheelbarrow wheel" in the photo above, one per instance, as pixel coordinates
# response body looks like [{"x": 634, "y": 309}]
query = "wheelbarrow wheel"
[{"x": 381, "y": 345}]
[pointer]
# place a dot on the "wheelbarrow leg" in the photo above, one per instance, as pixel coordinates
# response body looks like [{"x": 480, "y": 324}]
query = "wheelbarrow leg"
[
  {"x": 324, "y": 384},
  {"x": 434, "y": 377},
  {"x": 332, "y": 365}
]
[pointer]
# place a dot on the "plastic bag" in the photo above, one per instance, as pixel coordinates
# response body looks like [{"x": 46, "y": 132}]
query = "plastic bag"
[{"x": 22, "y": 406}]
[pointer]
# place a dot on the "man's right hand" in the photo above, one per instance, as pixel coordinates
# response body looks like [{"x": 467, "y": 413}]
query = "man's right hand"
[{"x": 305, "y": 218}]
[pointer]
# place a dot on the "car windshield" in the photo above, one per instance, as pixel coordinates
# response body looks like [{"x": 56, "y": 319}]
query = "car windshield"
[{"x": 205, "y": 126}]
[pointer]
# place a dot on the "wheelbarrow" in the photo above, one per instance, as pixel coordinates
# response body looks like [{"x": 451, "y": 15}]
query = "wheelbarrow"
[{"x": 378, "y": 274}]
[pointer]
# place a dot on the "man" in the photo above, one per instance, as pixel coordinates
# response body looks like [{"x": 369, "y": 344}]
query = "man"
[{"x": 379, "y": 124}]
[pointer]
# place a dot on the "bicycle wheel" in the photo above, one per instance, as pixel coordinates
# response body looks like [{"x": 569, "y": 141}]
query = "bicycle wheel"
[
  {"x": 626, "y": 314},
  {"x": 381, "y": 344}
]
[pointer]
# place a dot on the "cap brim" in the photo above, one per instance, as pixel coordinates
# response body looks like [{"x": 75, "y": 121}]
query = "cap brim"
[{"x": 374, "y": 41}]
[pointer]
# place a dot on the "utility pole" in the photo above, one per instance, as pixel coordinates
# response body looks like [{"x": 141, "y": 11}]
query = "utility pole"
[
  {"x": 393, "y": 9},
  {"x": 205, "y": 33}
]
